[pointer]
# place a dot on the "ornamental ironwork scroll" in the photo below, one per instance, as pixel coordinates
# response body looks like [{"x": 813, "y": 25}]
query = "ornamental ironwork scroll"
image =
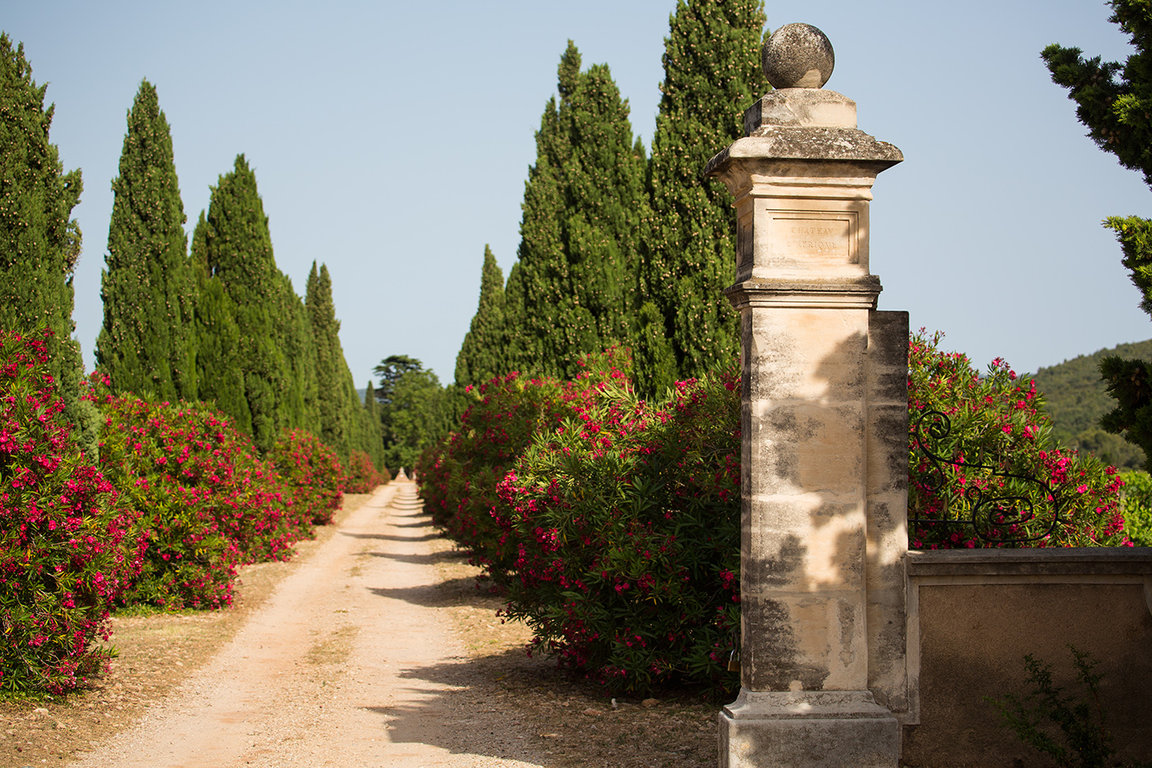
[{"x": 1002, "y": 506}]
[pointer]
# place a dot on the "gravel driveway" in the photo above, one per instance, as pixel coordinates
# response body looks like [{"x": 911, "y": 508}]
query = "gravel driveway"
[{"x": 347, "y": 665}]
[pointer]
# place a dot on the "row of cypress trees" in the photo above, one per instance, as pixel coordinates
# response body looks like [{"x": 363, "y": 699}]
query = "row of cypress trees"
[
  {"x": 221, "y": 323},
  {"x": 620, "y": 249}
]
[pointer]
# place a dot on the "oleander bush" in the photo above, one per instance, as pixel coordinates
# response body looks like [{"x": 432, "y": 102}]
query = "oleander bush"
[
  {"x": 313, "y": 475},
  {"x": 611, "y": 525},
  {"x": 67, "y": 545},
  {"x": 361, "y": 474},
  {"x": 624, "y": 528},
  {"x": 1012, "y": 485},
  {"x": 207, "y": 503},
  {"x": 459, "y": 476}
]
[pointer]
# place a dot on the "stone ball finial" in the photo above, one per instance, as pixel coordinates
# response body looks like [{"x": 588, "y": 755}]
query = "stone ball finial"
[{"x": 798, "y": 56}]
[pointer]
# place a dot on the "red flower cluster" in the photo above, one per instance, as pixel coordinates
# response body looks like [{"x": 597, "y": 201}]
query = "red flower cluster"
[
  {"x": 1002, "y": 481},
  {"x": 313, "y": 475},
  {"x": 67, "y": 546},
  {"x": 361, "y": 473}
]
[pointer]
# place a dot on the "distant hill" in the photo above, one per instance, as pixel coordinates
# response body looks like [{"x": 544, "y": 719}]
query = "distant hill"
[{"x": 1077, "y": 398}]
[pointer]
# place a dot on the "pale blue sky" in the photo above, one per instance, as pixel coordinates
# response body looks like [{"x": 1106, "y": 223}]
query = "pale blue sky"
[{"x": 392, "y": 140}]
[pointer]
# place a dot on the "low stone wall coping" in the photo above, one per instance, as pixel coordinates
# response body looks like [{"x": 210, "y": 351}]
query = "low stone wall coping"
[{"x": 1031, "y": 562}]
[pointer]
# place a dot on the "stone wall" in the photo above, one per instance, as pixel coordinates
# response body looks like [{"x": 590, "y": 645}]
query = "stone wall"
[{"x": 974, "y": 614}]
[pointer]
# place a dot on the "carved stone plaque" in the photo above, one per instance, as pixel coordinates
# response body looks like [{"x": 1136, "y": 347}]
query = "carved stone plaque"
[{"x": 813, "y": 238}]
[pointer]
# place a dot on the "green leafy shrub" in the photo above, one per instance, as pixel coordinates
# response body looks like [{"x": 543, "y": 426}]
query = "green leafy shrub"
[
  {"x": 206, "y": 502},
  {"x": 313, "y": 475},
  {"x": 1012, "y": 485},
  {"x": 362, "y": 476},
  {"x": 67, "y": 548},
  {"x": 1069, "y": 728},
  {"x": 1137, "y": 504}
]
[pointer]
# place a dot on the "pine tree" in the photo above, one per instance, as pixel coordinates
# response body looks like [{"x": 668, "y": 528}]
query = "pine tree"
[
  {"x": 481, "y": 355},
  {"x": 146, "y": 343},
  {"x": 219, "y": 376},
  {"x": 39, "y": 241},
  {"x": 1114, "y": 102},
  {"x": 238, "y": 250},
  {"x": 712, "y": 73},
  {"x": 571, "y": 290}
]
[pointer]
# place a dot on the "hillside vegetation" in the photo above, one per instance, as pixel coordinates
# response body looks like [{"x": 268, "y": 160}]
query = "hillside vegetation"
[{"x": 1077, "y": 397}]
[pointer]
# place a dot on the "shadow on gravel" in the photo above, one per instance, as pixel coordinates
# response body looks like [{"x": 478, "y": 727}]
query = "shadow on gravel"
[
  {"x": 416, "y": 523},
  {"x": 432, "y": 559},
  {"x": 387, "y": 537},
  {"x": 459, "y": 591},
  {"x": 474, "y": 714},
  {"x": 478, "y": 708}
]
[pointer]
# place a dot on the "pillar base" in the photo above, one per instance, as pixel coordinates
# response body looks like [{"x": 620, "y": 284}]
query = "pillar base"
[{"x": 808, "y": 729}]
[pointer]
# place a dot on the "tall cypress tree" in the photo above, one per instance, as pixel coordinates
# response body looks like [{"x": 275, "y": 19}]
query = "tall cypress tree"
[
  {"x": 571, "y": 290},
  {"x": 296, "y": 406},
  {"x": 322, "y": 316},
  {"x": 482, "y": 355},
  {"x": 373, "y": 430},
  {"x": 341, "y": 417},
  {"x": 39, "y": 241},
  {"x": 712, "y": 73},
  {"x": 146, "y": 343},
  {"x": 238, "y": 253},
  {"x": 219, "y": 376}
]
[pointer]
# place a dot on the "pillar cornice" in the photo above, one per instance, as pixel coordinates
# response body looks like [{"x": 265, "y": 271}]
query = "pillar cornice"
[{"x": 860, "y": 293}]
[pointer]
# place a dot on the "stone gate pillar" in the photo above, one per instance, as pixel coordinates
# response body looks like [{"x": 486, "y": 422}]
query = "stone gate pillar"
[{"x": 824, "y": 425}]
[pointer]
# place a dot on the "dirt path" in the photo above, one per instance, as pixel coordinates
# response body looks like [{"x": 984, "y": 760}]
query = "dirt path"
[{"x": 348, "y": 664}]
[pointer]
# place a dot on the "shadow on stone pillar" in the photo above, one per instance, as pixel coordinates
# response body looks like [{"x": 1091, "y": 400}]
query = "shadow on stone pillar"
[{"x": 824, "y": 425}]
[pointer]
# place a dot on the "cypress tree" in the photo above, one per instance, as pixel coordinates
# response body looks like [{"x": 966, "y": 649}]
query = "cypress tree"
[
  {"x": 373, "y": 432},
  {"x": 481, "y": 355},
  {"x": 341, "y": 414},
  {"x": 296, "y": 406},
  {"x": 571, "y": 290},
  {"x": 39, "y": 241},
  {"x": 146, "y": 343},
  {"x": 712, "y": 73},
  {"x": 219, "y": 375},
  {"x": 238, "y": 250}
]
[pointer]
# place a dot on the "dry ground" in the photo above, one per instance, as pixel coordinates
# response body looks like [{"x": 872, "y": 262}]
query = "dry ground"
[{"x": 567, "y": 723}]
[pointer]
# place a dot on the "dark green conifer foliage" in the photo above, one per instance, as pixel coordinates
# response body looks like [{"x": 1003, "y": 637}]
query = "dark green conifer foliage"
[
  {"x": 297, "y": 407},
  {"x": 238, "y": 248},
  {"x": 1114, "y": 101},
  {"x": 219, "y": 375},
  {"x": 481, "y": 356},
  {"x": 415, "y": 409},
  {"x": 146, "y": 343},
  {"x": 373, "y": 434},
  {"x": 712, "y": 73},
  {"x": 341, "y": 414},
  {"x": 571, "y": 291},
  {"x": 39, "y": 241}
]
